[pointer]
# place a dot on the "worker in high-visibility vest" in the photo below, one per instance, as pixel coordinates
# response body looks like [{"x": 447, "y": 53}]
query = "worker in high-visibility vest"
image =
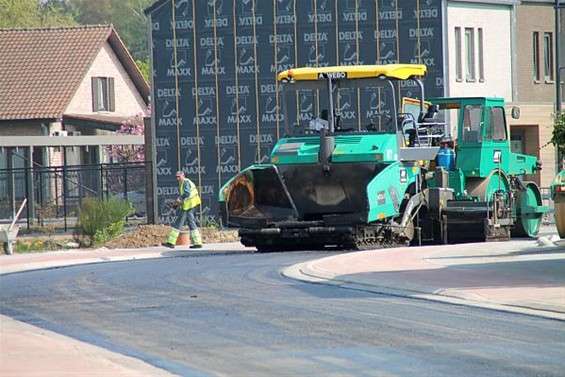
[{"x": 188, "y": 201}]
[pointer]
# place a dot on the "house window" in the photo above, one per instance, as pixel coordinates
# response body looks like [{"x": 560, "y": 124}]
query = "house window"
[
  {"x": 469, "y": 54},
  {"x": 535, "y": 46},
  {"x": 481, "y": 55},
  {"x": 458, "y": 65},
  {"x": 548, "y": 57},
  {"x": 103, "y": 94}
]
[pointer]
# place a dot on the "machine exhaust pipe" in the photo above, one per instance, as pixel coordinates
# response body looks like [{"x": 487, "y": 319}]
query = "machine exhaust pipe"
[
  {"x": 327, "y": 145},
  {"x": 327, "y": 142}
]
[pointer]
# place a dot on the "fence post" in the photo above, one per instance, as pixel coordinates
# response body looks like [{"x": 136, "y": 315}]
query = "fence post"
[
  {"x": 30, "y": 192},
  {"x": 149, "y": 193},
  {"x": 12, "y": 183},
  {"x": 65, "y": 192},
  {"x": 150, "y": 150},
  {"x": 125, "y": 180}
]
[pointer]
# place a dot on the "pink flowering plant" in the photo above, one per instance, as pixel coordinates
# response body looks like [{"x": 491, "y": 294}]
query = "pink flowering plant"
[
  {"x": 119, "y": 183},
  {"x": 129, "y": 153}
]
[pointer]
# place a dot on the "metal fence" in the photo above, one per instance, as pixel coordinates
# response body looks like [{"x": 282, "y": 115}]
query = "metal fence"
[
  {"x": 549, "y": 217},
  {"x": 54, "y": 194}
]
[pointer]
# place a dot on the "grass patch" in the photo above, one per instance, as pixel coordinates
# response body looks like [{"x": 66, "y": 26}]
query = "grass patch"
[{"x": 35, "y": 245}]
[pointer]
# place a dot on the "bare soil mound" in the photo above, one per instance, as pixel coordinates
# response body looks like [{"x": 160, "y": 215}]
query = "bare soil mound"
[{"x": 155, "y": 235}]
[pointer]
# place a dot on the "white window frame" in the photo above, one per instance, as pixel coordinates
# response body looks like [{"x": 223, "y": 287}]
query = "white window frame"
[
  {"x": 103, "y": 96},
  {"x": 458, "y": 55},
  {"x": 481, "y": 55},
  {"x": 536, "y": 55},
  {"x": 548, "y": 57},
  {"x": 470, "y": 74}
]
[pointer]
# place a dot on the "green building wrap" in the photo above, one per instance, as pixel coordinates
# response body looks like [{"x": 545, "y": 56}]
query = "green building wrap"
[{"x": 215, "y": 97}]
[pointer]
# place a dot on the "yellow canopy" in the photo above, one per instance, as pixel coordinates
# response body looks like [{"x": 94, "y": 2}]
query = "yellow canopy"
[{"x": 394, "y": 71}]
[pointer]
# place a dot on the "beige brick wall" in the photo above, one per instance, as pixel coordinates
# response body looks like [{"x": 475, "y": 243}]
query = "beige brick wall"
[
  {"x": 495, "y": 22},
  {"x": 54, "y": 155},
  {"x": 537, "y": 121},
  {"x": 106, "y": 64},
  {"x": 543, "y": 22},
  {"x": 535, "y": 99}
]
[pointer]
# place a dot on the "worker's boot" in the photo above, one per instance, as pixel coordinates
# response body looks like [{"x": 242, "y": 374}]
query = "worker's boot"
[
  {"x": 195, "y": 239},
  {"x": 172, "y": 240}
]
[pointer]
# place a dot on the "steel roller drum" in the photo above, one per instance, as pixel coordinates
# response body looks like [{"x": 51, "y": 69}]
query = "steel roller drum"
[
  {"x": 466, "y": 221},
  {"x": 529, "y": 211}
]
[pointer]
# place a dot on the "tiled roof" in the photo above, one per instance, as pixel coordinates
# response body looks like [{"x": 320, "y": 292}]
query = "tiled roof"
[{"x": 40, "y": 69}]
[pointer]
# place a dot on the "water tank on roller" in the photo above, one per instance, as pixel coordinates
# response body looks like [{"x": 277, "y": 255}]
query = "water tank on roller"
[{"x": 446, "y": 158}]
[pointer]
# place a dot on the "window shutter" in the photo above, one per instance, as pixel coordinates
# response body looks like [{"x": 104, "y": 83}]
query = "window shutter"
[
  {"x": 94, "y": 85},
  {"x": 111, "y": 95}
]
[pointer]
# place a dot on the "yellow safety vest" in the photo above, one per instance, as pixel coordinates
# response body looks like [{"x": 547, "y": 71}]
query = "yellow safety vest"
[{"x": 193, "y": 198}]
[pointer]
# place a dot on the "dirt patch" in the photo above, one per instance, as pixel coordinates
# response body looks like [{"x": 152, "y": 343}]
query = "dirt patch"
[{"x": 155, "y": 235}]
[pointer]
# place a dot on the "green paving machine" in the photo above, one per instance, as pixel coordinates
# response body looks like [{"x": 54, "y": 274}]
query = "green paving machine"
[{"x": 361, "y": 166}]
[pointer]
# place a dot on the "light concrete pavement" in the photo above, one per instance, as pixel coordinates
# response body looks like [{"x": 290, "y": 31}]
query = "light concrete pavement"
[
  {"x": 30, "y": 351},
  {"x": 526, "y": 276},
  {"x": 523, "y": 276}
]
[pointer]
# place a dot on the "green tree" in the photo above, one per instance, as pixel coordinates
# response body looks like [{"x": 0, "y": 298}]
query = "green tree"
[
  {"x": 92, "y": 12},
  {"x": 127, "y": 16},
  {"x": 19, "y": 13},
  {"x": 35, "y": 13},
  {"x": 558, "y": 137},
  {"x": 56, "y": 13},
  {"x": 132, "y": 25},
  {"x": 145, "y": 67}
]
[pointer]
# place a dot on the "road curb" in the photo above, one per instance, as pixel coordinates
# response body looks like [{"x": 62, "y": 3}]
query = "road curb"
[
  {"x": 307, "y": 272},
  {"x": 77, "y": 257}
]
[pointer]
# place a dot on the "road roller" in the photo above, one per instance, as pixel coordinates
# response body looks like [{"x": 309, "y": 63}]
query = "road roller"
[{"x": 367, "y": 161}]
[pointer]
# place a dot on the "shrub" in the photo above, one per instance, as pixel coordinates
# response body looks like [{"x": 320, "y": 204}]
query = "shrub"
[
  {"x": 558, "y": 136},
  {"x": 103, "y": 219}
]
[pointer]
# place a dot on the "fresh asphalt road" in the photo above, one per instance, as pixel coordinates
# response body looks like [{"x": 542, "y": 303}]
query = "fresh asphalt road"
[{"x": 237, "y": 315}]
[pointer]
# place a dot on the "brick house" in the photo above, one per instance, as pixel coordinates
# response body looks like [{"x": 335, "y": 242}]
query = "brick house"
[
  {"x": 64, "y": 92},
  {"x": 65, "y": 81}
]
